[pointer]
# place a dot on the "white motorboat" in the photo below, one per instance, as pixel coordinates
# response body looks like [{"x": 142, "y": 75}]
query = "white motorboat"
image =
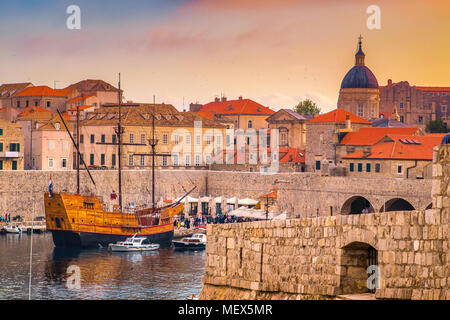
[
  {"x": 133, "y": 244},
  {"x": 12, "y": 229},
  {"x": 196, "y": 242}
]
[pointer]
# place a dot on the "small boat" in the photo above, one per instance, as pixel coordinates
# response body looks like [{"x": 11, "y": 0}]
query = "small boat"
[
  {"x": 133, "y": 244},
  {"x": 12, "y": 229},
  {"x": 196, "y": 242}
]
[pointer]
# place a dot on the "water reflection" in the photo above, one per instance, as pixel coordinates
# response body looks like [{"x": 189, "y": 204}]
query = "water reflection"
[{"x": 161, "y": 274}]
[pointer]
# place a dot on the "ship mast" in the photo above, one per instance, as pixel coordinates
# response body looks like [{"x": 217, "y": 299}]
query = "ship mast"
[
  {"x": 119, "y": 131},
  {"x": 153, "y": 142},
  {"x": 78, "y": 146}
]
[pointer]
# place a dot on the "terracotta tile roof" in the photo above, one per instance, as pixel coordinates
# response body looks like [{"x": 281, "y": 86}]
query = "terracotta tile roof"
[
  {"x": 2, "y": 109},
  {"x": 79, "y": 108},
  {"x": 91, "y": 86},
  {"x": 44, "y": 91},
  {"x": 338, "y": 116},
  {"x": 8, "y": 90},
  {"x": 371, "y": 135},
  {"x": 52, "y": 124},
  {"x": 240, "y": 106},
  {"x": 35, "y": 113},
  {"x": 79, "y": 98},
  {"x": 292, "y": 113},
  {"x": 141, "y": 115},
  {"x": 206, "y": 114},
  {"x": 401, "y": 147}
]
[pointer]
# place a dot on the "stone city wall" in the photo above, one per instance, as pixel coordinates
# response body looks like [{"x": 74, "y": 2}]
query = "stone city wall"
[
  {"x": 326, "y": 256},
  {"x": 300, "y": 194}
]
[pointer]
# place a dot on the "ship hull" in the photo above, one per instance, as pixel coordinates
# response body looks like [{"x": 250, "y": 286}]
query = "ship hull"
[{"x": 65, "y": 238}]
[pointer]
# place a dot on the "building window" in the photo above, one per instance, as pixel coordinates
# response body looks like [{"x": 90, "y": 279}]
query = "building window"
[
  {"x": 235, "y": 124},
  {"x": 18, "y": 104},
  {"x": 188, "y": 160},
  {"x": 175, "y": 160},
  {"x": 48, "y": 104},
  {"x": 360, "y": 110},
  {"x": 143, "y": 138},
  {"x": 1, "y": 146},
  {"x": 14, "y": 164},
  {"x": 165, "y": 138},
  {"x": 208, "y": 139},
  {"x": 283, "y": 139},
  {"x": 130, "y": 160},
  {"x": 1, "y": 132},
  {"x": 197, "y": 139},
  {"x": 176, "y": 139},
  {"x": 114, "y": 139},
  {"x": 131, "y": 138},
  {"x": 401, "y": 118},
  {"x": 81, "y": 138},
  {"x": 102, "y": 159},
  {"x": 64, "y": 163},
  {"x": 420, "y": 119},
  {"x": 368, "y": 167},
  {"x": 27, "y": 103},
  {"x": 103, "y": 138},
  {"x": 227, "y": 139},
  {"x": 352, "y": 167},
  {"x": 50, "y": 162},
  {"x": 219, "y": 140},
  {"x": 92, "y": 138},
  {"x": 317, "y": 164},
  {"x": 377, "y": 167},
  {"x": 250, "y": 124},
  {"x": 36, "y": 103},
  {"x": 197, "y": 160},
  {"x": 188, "y": 139},
  {"x": 1, "y": 164},
  {"x": 444, "y": 108},
  {"x": 401, "y": 105},
  {"x": 359, "y": 167},
  {"x": 113, "y": 160},
  {"x": 91, "y": 159},
  {"x": 164, "y": 161},
  {"x": 142, "y": 163},
  {"x": 399, "y": 169}
]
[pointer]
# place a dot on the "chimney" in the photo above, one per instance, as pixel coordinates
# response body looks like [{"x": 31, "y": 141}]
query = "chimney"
[
  {"x": 240, "y": 97},
  {"x": 224, "y": 99},
  {"x": 389, "y": 82},
  {"x": 348, "y": 122},
  {"x": 216, "y": 99}
]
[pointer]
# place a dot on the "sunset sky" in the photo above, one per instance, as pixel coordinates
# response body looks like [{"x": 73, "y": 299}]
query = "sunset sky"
[{"x": 276, "y": 52}]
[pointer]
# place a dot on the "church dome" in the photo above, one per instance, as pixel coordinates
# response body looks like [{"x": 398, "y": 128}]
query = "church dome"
[{"x": 359, "y": 76}]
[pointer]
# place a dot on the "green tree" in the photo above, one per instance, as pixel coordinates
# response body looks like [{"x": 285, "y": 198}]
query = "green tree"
[
  {"x": 436, "y": 126},
  {"x": 307, "y": 107}
]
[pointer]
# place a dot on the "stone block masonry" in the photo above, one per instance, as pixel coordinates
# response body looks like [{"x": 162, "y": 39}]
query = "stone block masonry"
[{"x": 325, "y": 256}]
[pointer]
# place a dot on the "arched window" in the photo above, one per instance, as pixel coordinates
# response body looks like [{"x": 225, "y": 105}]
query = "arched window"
[{"x": 250, "y": 124}]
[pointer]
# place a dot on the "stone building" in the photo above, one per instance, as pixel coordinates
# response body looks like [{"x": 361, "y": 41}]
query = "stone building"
[
  {"x": 7, "y": 92},
  {"x": 30, "y": 119},
  {"x": 184, "y": 139},
  {"x": 244, "y": 113},
  {"x": 291, "y": 126},
  {"x": 323, "y": 134},
  {"x": 52, "y": 148},
  {"x": 416, "y": 105},
  {"x": 93, "y": 92},
  {"x": 398, "y": 156},
  {"x": 41, "y": 96},
  {"x": 359, "y": 93},
  {"x": 11, "y": 146}
]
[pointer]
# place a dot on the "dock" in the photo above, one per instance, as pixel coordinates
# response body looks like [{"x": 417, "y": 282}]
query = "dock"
[{"x": 183, "y": 232}]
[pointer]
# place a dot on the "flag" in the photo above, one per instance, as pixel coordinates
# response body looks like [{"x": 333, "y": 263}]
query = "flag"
[{"x": 50, "y": 188}]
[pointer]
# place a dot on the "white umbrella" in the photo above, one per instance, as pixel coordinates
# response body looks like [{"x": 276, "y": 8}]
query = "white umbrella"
[{"x": 247, "y": 202}]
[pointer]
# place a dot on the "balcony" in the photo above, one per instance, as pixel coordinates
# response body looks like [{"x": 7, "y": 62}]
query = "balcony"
[{"x": 11, "y": 154}]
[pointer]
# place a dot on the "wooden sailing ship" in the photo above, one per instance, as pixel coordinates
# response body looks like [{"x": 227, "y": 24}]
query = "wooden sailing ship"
[{"x": 77, "y": 220}]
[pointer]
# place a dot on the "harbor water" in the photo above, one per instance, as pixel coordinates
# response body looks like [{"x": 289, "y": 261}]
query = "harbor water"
[{"x": 156, "y": 275}]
